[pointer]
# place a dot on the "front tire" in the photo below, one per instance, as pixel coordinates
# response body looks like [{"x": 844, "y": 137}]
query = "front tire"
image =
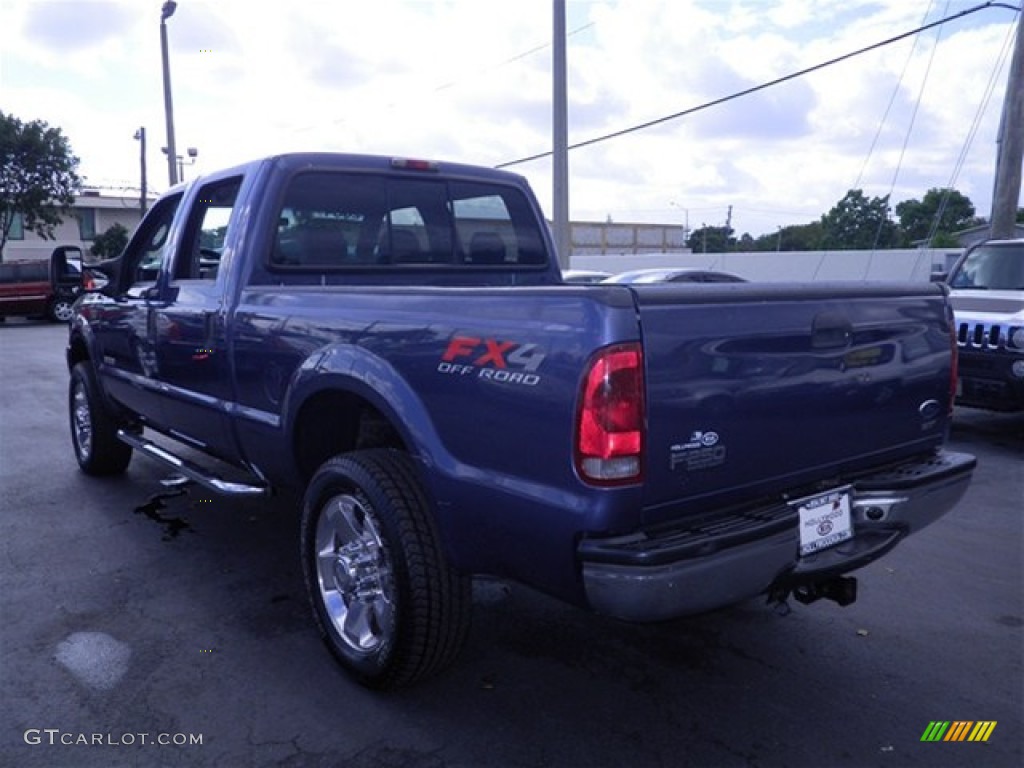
[
  {"x": 94, "y": 427},
  {"x": 388, "y": 605}
]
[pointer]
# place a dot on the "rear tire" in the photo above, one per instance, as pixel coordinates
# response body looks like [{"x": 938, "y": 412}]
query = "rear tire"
[
  {"x": 387, "y": 603},
  {"x": 94, "y": 427}
]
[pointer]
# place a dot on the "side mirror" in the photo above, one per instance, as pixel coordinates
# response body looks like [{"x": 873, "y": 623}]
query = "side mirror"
[
  {"x": 93, "y": 280},
  {"x": 102, "y": 277}
]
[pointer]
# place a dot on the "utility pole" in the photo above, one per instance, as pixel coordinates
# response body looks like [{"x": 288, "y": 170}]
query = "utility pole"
[
  {"x": 172, "y": 154},
  {"x": 560, "y": 139},
  {"x": 1010, "y": 154},
  {"x": 140, "y": 135}
]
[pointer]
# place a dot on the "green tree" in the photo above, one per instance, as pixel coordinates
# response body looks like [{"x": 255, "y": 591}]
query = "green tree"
[
  {"x": 796, "y": 237},
  {"x": 939, "y": 211},
  {"x": 111, "y": 242},
  {"x": 712, "y": 240},
  {"x": 38, "y": 177},
  {"x": 859, "y": 223},
  {"x": 802, "y": 237}
]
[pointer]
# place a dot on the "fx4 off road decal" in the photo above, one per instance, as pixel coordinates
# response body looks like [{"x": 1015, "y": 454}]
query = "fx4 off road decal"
[{"x": 506, "y": 361}]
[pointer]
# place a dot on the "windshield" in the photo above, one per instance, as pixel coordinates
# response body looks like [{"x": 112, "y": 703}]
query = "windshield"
[{"x": 997, "y": 268}]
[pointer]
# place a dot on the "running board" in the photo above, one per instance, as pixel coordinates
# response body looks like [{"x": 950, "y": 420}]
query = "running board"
[{"x": 188, "y": 469}]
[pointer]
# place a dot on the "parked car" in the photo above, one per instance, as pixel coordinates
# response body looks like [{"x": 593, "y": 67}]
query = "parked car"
[
  {"x": 393, "y": 338},
  {"x": 584, "y": 276},
  {"x": 45, "y": 288},
  {"x": 987, "y": 294},
  {"x": 674, "y": 275}
]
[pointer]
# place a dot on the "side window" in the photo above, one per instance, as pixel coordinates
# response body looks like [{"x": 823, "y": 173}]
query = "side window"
[
  {"x": 206, "y": 231},
  {"x": 17, "y": 228},
  {"x": 86, "y": 223},
  {"x": 146, "y": 251}
]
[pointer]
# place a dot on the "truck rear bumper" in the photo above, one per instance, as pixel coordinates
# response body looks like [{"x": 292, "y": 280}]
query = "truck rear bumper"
[{"x": 663, "y": 575}]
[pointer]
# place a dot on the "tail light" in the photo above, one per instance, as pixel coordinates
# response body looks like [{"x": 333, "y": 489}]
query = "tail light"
[{"x": 610, "y": 417}]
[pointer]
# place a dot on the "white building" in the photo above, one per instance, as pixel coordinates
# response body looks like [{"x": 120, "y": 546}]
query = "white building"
[{"x": 92, "y": 215}]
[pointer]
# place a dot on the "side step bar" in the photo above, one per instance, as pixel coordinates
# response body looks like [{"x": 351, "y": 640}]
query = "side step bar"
[{"x": 188, "y": 469}]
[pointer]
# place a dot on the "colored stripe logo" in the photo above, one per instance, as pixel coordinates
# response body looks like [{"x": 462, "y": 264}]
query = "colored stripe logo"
[{"x": 958, "y": 730}]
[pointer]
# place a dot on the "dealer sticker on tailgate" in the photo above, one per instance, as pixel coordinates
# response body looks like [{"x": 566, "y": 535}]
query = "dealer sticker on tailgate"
[{"x": 824, "y": 520}]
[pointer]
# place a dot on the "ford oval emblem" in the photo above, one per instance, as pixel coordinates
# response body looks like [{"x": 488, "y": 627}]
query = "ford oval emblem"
[
  {"x": 929, "y": 409},
  {"x": 709, "y": 438}
]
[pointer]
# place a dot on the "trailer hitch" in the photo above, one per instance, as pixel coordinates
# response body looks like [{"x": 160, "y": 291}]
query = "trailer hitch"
[{"x": 839, "y": 589}]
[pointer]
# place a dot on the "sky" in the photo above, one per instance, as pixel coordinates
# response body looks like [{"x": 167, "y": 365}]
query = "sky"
[{"x": 471, "y": 81}]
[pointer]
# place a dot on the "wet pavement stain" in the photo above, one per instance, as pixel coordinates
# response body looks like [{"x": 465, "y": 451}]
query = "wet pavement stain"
[{"x": 172, "y": 525}]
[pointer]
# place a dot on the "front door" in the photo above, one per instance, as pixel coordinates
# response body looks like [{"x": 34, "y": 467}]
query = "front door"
[{"x": 188, "y": 326}]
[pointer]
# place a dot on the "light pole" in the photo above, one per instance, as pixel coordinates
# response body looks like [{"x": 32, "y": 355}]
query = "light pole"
[
  {"x": 165, "y": 13},
  {"x": 560, "y": 139},
  {"x": 686, "y": 213},
  {"x": 140, "y": 136},
  {"x": 193, "y": 153}
]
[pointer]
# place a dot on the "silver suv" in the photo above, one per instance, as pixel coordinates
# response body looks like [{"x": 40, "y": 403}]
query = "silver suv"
[{"x": 987, "y": 293}]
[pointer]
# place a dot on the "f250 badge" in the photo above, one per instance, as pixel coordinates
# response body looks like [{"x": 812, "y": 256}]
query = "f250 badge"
[
  {"x": 703, "y": 450},
  {"x": 507, "y": 361}
]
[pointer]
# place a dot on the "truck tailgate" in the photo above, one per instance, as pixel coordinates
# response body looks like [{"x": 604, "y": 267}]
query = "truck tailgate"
[{"x": 758, "y": 390}]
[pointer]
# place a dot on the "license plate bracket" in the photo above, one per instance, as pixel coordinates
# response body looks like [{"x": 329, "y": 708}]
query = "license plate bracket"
[{"x": 824, "y": 520}]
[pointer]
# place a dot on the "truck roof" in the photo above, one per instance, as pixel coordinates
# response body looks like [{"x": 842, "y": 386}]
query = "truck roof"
[{"x": 342, "y": 160}]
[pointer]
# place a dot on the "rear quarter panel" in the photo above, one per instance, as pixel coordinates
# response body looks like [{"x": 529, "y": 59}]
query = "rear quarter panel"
[{"x": 481, "y": 382}]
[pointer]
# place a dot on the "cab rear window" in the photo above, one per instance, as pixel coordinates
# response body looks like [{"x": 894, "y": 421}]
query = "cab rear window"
[{"x": 333, "y": 220}]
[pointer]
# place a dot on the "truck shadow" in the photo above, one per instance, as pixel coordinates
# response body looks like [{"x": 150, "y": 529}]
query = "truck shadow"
[{"x": 1003, "y": 430}]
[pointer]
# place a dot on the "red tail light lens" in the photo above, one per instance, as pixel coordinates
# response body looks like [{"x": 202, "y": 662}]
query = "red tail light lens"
[{"x": 610, "y": 417}]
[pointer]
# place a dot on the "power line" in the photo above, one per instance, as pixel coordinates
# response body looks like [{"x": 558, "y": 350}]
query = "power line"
[
  {"x": 763, "y": 86},
  {"x": 906, "y": 142},
  {"x": 888, "y": 108},
  {"x": 478, "y": 73},
  {"x": 517, "y": 57}
]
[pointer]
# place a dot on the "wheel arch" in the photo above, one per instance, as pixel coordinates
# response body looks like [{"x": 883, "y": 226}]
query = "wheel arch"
[
  {"x": 352, "y": 399},
  {"x": 77, "y": 351},
  {"x": 81, "y": 342}
]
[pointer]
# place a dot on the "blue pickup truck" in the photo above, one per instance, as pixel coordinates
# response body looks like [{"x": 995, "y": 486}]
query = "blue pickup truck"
[{"x": 393, "y": 338}]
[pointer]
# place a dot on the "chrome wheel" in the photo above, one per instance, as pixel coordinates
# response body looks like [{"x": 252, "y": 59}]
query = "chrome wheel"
[
  {"x": 61, "y": 310},
  {"x": 354, "y": 574},
  {"x": 81, "y": 421},
  {"x": 387, "y": 603}
]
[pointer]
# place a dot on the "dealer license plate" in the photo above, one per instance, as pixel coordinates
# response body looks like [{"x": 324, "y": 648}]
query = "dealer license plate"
[{"x": 824, "y": 520}]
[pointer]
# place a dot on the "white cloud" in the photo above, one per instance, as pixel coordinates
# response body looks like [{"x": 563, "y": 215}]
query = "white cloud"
[{"x": 464, "y": 80}]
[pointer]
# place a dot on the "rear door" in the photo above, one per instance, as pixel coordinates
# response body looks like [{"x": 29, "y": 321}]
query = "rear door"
[{"x": 754, "y": 389}]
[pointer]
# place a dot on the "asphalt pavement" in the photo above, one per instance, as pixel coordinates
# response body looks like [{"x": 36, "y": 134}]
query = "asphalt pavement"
[{"x": 141, "y": 627}]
